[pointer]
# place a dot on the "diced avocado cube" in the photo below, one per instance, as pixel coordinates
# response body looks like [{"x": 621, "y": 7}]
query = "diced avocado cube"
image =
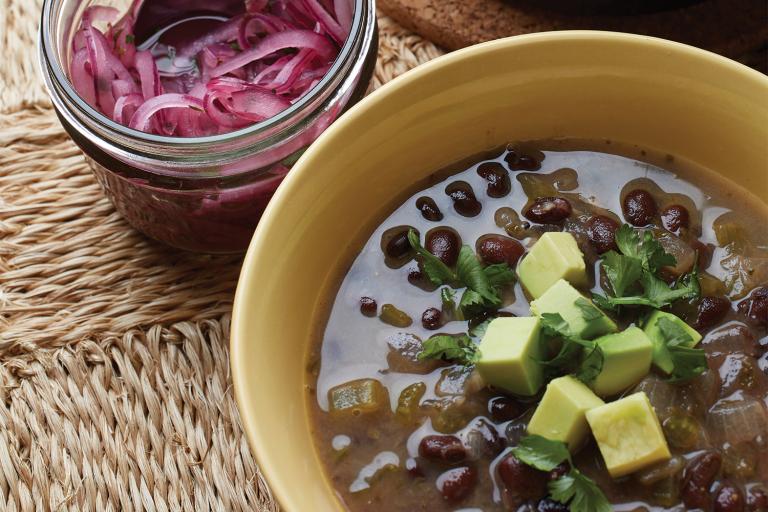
[
  {"x": 628, "y": 434},
  {"x": 626, "y": 360},
  {"x": 661, "y": 357},
  {"x": 562, "y": 298},
  {"x": 358, "y": 396},
  {"x": 509, "y": 355},
  {"x": 553, "y": 257},
  {"x": 560, "y": 415}
]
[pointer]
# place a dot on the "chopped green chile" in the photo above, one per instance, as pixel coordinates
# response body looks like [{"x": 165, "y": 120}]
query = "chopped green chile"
[
  {"x": 408, "y": 403},
  {"x": 395, "y": 317},
  {"x": 363, "y": 396}
]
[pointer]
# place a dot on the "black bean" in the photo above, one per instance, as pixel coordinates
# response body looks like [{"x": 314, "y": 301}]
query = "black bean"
[
  {"x": 550, "y": 505},
  {"x": 698, "y": 477},
  {"x": 548, "y": 210},
  {"x": 729, "y": 499},
  {"x": 675, "y": 217},
  {"x": 711, "y": 311},
  {"x": 639, "y": 207},
  {"x": 396, "y": 247},
  {"x": 499, "y": 184},
  {"x": 522, "y": 481},
  {"x": 464, "y": 201},
  {"x": 457, "y": 483},
  {"x": 519, "y": 161},
  {"x": 494, "y": 249},
  {"x": 482, "y": 439},
  {"x": 755, "y": 307},
  {"x": 444, "y": 243},
  {"x": 601, "y": 231},
  {"x": 368, "y": 306},
  {"x": 504, "y": 409},
  {"x": 447, "y": 449},
  {"x": 429, "y": 209},
  {"x": 432, "y": 319}
]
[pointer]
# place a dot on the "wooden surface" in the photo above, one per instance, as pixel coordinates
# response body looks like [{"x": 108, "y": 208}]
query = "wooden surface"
[{"x": 729, "y": 27}]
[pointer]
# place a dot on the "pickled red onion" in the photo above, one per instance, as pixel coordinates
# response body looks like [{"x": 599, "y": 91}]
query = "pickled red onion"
[{"x": 243, "y": 70}]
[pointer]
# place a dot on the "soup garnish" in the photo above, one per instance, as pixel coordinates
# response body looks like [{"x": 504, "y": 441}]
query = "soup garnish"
[{"x": 557, "y": 334}]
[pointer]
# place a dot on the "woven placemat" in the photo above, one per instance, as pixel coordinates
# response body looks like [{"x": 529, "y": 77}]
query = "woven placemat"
[{"x": 114, "y": 363}]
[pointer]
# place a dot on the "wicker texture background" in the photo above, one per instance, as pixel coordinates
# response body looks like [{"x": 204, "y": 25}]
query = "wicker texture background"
[{"x": 114, "y": 364}]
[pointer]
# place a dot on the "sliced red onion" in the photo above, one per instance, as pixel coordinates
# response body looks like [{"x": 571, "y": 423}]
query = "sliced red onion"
[
  {"x": 274, "y": 43},
  {"x": 154, "y": 105},
  {"x": 133, "y": 100},
  {"x": 82, "y": 79},
  {"x": 244, "y": 70}
]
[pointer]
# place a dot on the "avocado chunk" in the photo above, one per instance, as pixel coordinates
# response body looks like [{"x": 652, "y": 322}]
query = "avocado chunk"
[
  {"x": 628, "y": 434},
  {"x": 626, "y": 359},
  {"x": 509, "y": 354},
  {"x": 553, "y": 257},
  {"x": 358, "y": 396},
  {"x": 562, "y": 298},
  {"x": 661, "y": 357},
  {"x": 560, "y": 415}
]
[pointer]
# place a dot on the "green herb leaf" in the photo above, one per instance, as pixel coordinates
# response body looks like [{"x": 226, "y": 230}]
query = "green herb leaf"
[
  {"x": 621, "y": 271},
  {"x": 472, "y": 304},
  {"x": 575, "y": 489},
  {"x": 688, "y": 362},
  {"x": 648, "y": 250},
  {"x": 437, "y": 272},
  {"x": 656, "y": 293},
  {"x": 478, "y": 331},
  {"x": 541, "y": 453},
  {"x": 591, "y": 366},
  {"x": 130, "y": 38},
  {"x": 499, "y": 274},
  {"x": 470, "y": 272},
  {"x": 579, "y": 492},
  {"x": 553, "y": 324},
  {"x": 448, "y": 298},
  {"x": 588, "y": 310},
  {"x": 459, "y": 349}
]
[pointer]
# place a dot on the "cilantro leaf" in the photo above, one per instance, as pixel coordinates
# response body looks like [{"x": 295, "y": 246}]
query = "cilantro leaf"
[
  {"x": 478, "y": 331},
  {"x": 648, "y": 250},
  {"x": 656, "y": 293},
  {"x": 688, "y": 362},
  {"x": 574, "y": 489},
  {"x": 448, "y": 298},
  {"x": 591, "y": 366},
  {"x": 470, "y": 272},
  {"x": 499, "y": 274},
  {"x": 541, "y": 453},
  {"x": 471, "y": 303},
  {"x": 460, "y": 349},
  {"x": 588, "y": 310},
  {"x": 553, "y": 324},
  {"x": 621, "y": 271},
  {"x": 437, "y": 272},
  {"x": 579, "y": 492}
]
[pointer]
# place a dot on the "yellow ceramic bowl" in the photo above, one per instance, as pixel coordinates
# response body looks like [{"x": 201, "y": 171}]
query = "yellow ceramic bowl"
[{"x": 589, "y": 85}]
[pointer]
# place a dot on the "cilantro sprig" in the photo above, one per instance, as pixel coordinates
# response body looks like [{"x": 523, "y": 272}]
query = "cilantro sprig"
[
  {"x": 632, "y": 273},
  {"x": 482, "y": 283},
  {"x": 459, "y": 349},
  {"x": 688, "y": 362},
  {"x": 587, "y": 354},
  {"x": 574, "y": 489}
]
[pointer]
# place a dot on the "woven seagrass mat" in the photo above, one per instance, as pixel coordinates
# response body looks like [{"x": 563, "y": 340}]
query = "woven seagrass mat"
[{"x": 114, "y": 363}]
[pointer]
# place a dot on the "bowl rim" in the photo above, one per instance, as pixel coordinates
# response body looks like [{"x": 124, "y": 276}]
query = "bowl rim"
[{"x": 257, "y": 249}]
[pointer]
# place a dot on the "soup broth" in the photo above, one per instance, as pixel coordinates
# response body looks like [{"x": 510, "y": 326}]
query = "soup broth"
[{"x": 431, "y": 435}]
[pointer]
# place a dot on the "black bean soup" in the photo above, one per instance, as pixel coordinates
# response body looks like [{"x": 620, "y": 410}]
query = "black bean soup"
[{"x": 430, "y": 435}]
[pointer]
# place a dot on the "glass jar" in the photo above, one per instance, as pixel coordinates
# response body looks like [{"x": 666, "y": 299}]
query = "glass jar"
[{"x": 203, "y": 194}]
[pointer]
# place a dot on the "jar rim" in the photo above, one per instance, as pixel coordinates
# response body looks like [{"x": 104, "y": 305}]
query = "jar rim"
[{"x": 49, "y": 60}]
